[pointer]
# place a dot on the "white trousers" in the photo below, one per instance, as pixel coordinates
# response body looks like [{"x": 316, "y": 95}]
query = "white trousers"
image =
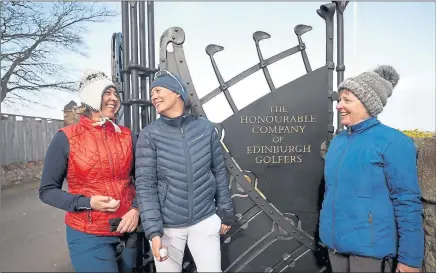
[{"x": 203, "y": 241}]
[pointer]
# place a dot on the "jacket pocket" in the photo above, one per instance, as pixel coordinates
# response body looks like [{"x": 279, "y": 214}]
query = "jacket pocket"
[
  {"x": 163, "y": 190},
  {"x": 213, "y": 183},
  {"x": 363, "y": 187}
]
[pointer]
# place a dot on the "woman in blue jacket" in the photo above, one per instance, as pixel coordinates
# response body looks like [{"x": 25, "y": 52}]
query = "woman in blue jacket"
[
  {"x": 181, "y": 181},
  {"x": 372, "y": 211}
]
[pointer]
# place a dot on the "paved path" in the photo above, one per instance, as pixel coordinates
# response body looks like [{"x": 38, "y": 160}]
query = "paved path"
[{"x": 32, "y": 234}]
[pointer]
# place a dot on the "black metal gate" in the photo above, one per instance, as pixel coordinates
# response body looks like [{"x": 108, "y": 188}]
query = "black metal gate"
[
  {"x": 273, "y": 153},
  {"x": 272, "y": 146}
]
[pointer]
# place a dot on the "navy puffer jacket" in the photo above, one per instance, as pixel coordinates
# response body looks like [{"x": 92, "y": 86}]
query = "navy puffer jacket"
[{"x": 181, "y": 178}]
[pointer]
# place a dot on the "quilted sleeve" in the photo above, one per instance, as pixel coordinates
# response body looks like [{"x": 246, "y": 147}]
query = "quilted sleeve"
[
  {"x": 223, "y": 196},
  {"x": 402, "y": 178},
  {"x": 53, "y": 176},
  {"x": 146, "y": 186}
]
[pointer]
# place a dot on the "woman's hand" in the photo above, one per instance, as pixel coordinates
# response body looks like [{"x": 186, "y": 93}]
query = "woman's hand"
[
  {"x": 224, "y": 229},
  {"x": 156, "y": 245},
  {"x": 129, "y": 221},
  {"x": 104, "y": 203}
]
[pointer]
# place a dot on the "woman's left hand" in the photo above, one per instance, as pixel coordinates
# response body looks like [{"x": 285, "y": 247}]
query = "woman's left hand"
[
  {"x": 224, "y": 229},
  {"x": 129, "y": 221}
]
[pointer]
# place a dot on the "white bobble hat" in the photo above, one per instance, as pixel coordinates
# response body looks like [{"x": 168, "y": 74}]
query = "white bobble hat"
[{"x": 91, "y": 88}]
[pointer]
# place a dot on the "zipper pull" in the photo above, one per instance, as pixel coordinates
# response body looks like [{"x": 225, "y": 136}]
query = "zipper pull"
[
  {"x": 181, "y": 129},
  {"x": 89, "y": 217},
  {"x": 370, "y": 217},
  {"x": 105, "y": 132}
]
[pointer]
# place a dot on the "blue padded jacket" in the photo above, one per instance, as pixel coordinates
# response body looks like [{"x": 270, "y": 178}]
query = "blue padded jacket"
[
  {"x": 181, "y": 178},
  {"x": 372, "y": 204}
]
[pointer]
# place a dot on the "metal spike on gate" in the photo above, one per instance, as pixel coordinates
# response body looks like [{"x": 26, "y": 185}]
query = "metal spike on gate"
[
  {"x": 299, "y": 31},
  {"x": 257, "y": 37},
  {"x": 327, "y": 12},
  {"x": 211, "y": 50},
  {"x": 340, "y": 67}
]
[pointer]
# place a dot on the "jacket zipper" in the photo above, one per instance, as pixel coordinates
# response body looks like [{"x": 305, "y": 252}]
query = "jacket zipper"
[
  {"x": 89, "y": 217},
  {"x": 111, "y": 165},
  {"x": 336, "y": 188},
  {"x": 370, "y": 220},
  {"x": 189, "y": 168}
]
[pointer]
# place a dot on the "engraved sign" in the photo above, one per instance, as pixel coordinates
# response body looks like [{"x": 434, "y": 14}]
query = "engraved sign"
[
  {"x": 278, "y": 138},
  {"x": 278, "y": 125}
]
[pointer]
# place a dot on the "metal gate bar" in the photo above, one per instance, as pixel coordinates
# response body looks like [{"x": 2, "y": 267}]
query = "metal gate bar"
[
  {"x": 340, "y": 68},
  {"x": 151, "y": 53},
  {"x": 249, "y": 72},
  {"x": 134, "y": 64}
]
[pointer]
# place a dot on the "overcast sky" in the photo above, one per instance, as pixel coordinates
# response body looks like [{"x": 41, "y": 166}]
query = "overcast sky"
[{"x": 400, "y": 34}]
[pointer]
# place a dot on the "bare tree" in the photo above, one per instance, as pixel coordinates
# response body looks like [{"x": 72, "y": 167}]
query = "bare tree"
[{"x": 34, "y": 34}]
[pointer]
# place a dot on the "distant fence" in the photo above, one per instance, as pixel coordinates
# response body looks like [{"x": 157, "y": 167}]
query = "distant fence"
[{"x": 24, "y": 139}]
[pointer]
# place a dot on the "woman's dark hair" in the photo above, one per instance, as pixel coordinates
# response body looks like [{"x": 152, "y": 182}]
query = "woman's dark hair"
[{"x": 83, "y": 110}]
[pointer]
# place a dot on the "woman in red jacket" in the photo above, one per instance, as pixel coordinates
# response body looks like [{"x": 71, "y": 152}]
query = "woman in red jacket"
[{"x": 95, "y": 156}]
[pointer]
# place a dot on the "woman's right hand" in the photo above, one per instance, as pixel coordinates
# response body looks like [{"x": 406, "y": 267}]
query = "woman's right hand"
[
  {"x": 104, "y": 203},
  {"x": 156, "y": 245}
]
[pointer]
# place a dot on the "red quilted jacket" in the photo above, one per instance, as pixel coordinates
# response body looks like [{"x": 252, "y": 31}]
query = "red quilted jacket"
[{"x": 100, "y": 163}]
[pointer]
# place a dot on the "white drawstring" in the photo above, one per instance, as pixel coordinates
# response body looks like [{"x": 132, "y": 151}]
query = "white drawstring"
[{"x": 103, "y": 121}]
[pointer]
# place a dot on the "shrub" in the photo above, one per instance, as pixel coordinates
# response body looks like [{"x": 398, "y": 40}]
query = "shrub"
[{"x": 417, "y": 134}]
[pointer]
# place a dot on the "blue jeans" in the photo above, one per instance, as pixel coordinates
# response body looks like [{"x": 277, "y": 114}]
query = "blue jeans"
[{"x": 93, "y": 253}]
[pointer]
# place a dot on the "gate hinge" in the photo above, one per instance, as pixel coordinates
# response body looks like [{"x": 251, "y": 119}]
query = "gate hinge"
[
  {"x": 333, "y": 95},
  {"x": 140, "y": 102},
  {"x": 330, "y": 65},
  {"x": 301, "y": 46},
  {"x": 331, "y": 129}
]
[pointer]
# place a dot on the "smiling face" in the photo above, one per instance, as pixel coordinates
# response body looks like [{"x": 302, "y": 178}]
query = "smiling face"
[
  {"x": 110, "y": 103},
  {"x": 350, "y": 108},
  {"x": 166, "y": 102}
]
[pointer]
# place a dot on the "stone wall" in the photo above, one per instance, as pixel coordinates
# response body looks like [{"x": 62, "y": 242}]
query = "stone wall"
[{"x": 427, "y": 179}]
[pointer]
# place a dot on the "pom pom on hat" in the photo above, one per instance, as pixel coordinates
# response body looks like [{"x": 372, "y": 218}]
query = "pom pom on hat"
[
  {"x": 373, "y": 88},
  {"x": 388, "y": 73}
]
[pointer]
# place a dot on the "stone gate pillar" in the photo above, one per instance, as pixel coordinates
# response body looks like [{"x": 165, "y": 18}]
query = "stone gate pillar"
[
  {"x": 70, "y": 117},
  {"x": 427, "y": 180}
]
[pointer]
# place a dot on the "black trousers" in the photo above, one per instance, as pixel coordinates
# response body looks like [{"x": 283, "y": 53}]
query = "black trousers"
[{"x": 350, "y": 263}]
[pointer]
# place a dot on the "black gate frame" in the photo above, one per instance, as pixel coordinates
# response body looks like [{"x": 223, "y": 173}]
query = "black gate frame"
[
  {"x": 131, "y": 78},
  {"x": 176, "y": 36}
]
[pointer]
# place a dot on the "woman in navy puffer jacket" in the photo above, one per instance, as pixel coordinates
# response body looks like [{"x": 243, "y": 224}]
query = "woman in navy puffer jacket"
[
  {"x": 372, "y": 211},
  {"x": 181, "y": 181}
]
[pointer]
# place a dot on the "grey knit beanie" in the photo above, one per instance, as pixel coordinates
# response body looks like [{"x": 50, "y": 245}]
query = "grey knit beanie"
[{"x": 373, "y": 88}]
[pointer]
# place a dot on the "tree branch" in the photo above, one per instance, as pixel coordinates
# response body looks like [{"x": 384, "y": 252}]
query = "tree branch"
[
  {"x": 59, "y": 85},
  {"x": 33, "y": 34}
]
